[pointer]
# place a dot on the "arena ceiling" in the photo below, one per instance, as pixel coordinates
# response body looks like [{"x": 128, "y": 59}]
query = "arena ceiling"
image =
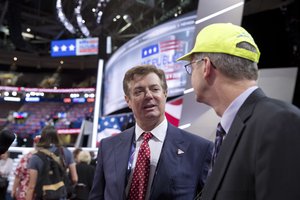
[{"x": 28, "y": 26}]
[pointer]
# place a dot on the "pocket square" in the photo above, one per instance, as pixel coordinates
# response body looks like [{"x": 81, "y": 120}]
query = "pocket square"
[{"x": 179, "y": 151}]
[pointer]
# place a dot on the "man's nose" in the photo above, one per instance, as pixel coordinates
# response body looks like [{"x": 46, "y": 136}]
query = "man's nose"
[{"x": 148, "y": 94}]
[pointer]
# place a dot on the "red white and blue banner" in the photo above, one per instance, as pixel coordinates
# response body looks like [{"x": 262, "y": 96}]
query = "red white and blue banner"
[
  {"x": 159, "y": 46},
  {"x": 74, "y": 47}
]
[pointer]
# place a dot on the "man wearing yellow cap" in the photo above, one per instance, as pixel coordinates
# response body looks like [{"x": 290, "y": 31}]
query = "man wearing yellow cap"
[{"x": 257, "y": 151}]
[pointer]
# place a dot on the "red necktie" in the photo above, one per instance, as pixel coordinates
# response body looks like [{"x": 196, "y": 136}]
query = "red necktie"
[{"x": 140, "y": 176}]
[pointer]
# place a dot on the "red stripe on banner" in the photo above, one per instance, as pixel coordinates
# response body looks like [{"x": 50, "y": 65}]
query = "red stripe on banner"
[
  {"x": 176, "y": 102},
  {"x": 174, "y": 121},
  {"x": 170, "y": 45},
  {"x": 169, "y": 42}
]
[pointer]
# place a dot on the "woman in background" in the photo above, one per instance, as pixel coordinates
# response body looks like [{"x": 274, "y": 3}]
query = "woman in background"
[
  {"x": 21, "y": 181},
  {"x": 49, "y": 140},
  {"x": 85, "y": 173},
  {"x": 20, "y": 185}
]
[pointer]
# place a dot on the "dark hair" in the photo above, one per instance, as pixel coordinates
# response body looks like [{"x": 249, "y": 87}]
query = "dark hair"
[
  {"x": 48, "y": 137},
  {"x": 143, "y": 70}
]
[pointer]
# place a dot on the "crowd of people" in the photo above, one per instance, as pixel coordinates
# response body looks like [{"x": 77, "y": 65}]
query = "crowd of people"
[
  {"x": 255, "y": 151},
  {"x": 29, "y": 171}
]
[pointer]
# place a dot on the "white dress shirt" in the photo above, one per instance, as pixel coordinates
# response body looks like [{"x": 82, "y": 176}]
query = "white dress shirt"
[
  {"x": 155, "y": 144},
  {"x": 234, "y": 107}
]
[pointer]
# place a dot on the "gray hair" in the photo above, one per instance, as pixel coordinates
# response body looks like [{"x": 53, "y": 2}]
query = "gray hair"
[{"x": 231, "y": 66}]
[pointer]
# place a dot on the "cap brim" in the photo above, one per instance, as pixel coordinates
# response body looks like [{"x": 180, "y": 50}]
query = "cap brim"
[{"x": 186, "y": 57}]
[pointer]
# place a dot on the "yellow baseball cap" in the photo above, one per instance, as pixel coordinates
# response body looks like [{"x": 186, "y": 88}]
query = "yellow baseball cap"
[{"x": 223, "y": 38}]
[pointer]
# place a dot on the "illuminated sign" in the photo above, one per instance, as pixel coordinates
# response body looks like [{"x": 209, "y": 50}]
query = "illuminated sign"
[
  {"x": 159, "y": 46},
  {"x": 74, "y": 47}
]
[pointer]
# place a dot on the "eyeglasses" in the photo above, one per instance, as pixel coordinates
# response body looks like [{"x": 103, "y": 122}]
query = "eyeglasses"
[{"x": 189, "y": 68}]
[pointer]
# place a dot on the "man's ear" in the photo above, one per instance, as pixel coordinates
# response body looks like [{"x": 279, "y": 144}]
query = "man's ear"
[
  {"x": 207, "y": 69},
  {"x": 127, "y": 99}
]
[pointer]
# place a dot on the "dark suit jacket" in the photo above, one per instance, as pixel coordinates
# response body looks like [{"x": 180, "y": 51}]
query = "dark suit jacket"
[
  {"x": 178, "y": 176},
  {"x": 260, "y": 156}
]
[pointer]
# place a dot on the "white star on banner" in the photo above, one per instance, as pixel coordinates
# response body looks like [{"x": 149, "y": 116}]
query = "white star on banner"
[
  {"x": 63, "y": 47},
  {"x": 71, "y": 47},
  {"x": 55, "y": 48}
]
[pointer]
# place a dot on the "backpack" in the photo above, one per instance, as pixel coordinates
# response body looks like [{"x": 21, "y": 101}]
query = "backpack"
[{"x": 50, "y": 184}]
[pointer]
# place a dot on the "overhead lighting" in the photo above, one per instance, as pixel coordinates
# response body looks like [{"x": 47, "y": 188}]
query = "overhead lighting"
[
  {"x": 234, "y": 6},
  {"x": 184, "y": 126},
  {"x": 188, "y": 91},
  {"x": 32, "y": 99},
  {"x": 81, "y": 21},
  {"x": 15, "y": 99},
  {"x": 99, "y": 15},
  {"x": 124, "y": 28},
  {"x": 127, "y": 19},
  {"x": 63, "y": 19}
]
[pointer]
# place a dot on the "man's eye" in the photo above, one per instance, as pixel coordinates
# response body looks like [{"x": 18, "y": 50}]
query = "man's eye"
[{"x": 137, "y": 92}]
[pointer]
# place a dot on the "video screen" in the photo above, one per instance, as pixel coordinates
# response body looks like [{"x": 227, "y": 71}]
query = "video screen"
[
  {"x": 160, "y": 46},
  {"x": 20, "y": 115}
]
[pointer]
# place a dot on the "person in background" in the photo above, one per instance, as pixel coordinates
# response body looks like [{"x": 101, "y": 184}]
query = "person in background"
[
  {"x": 259, "y": 154},
  {"x": 49, "y": 140},
  {"x": 93, "y": 159},
  {"x": 85, "y": 173},
  {"x": 75, "y": 153},
  {"x": 20, "y": 185},
  {"x": 6, "y": 165},
  {"x": 21, "y": 180},
  {"x": 174, "y": 163}
]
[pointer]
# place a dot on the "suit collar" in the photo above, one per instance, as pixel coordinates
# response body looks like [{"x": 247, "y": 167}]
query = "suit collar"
[
  {"x": 123, "y": 144},
  {"x": 227, "y": 149},
  {"x": 169, "y": 158}
]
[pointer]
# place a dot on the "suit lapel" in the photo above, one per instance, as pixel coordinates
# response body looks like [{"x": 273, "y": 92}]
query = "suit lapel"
[
  {"x": 121, "y": 156},
  {"x": 169, "y": 159},
  {"x": 227, "y": 149}
]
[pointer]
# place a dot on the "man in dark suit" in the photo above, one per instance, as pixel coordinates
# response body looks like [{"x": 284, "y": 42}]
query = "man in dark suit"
[
  {"x": 259, "y": 155},
  {"x": 179, "y": 161}
]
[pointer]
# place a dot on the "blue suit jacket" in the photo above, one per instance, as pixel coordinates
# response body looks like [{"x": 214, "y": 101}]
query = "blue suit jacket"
[{"x": 178, "y": 176}]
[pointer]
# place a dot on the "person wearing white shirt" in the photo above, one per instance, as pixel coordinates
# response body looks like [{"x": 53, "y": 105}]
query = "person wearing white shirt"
[
  {"x": 6, "y": 165},
  {"x": 179, "y": 161}
]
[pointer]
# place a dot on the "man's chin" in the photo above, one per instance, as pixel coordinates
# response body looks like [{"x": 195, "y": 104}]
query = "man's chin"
[{"x": 151, "y": 115}]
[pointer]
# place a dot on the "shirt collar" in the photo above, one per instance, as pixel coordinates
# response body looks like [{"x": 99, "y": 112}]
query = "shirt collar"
[
  {"x": 233, "y": 108},
  {"x": 159, "y": 132}
]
